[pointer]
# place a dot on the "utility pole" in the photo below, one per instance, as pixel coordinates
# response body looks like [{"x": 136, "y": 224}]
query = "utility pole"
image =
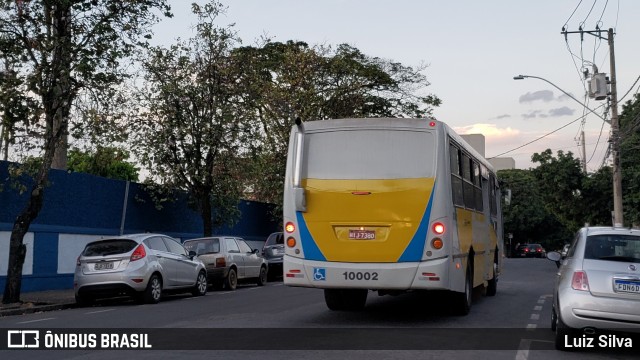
[{"x": 615, "y": 126}]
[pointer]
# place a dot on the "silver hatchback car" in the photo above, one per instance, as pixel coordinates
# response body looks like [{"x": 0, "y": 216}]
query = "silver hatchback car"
[
  {"x": 229, "y": 259},
  {"x": 598, "y": 284},
  {"x": 140, "y": 265}
]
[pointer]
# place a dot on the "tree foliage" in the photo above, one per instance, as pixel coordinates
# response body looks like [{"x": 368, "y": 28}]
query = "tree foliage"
[
  {"x": 630, "y": 159},
  {"x": 108, "y": 162},
  {"x": 190, "y": 128}
]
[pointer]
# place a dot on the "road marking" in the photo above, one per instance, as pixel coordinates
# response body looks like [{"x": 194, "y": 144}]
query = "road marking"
[
  {"x": 32, "y": 321},
  {"x": 99, "y": 311},
  {"x": 535, "y": 316},
  {"x": 537, "y": 308},
  {"x": 523, "y": 349},
  {"x": 541, "y": 301},
  {"x": 531, "y": 326}
]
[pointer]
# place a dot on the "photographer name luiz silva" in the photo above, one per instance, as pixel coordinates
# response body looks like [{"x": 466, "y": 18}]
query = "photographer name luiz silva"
[
  {"x": 34, "y": 340},
  {"x": 610, "y": 341}
]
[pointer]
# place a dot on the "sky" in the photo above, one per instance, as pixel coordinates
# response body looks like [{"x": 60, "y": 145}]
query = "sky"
[{"x": 473, "y": 50}]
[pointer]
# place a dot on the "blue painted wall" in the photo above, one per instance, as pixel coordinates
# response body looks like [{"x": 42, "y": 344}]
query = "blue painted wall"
[{"x": 77, "y": 203}]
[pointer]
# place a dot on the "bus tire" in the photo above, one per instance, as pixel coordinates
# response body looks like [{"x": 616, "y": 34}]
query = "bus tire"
[
  {"x": 345, "y": 299},
  {"x": 462, "y": 301},
  {"x": 492, "y": 285}
]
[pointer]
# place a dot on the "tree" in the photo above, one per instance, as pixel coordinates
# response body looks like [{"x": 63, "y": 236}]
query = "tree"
[
  {"x": 190, "y": 128},
  {"x": 109, "y": 162},
  {"x": 630, "y": 159},
  {"x": 283, "y": 81},
  {"x": 560, "y": 181},
  {"x": 60, "y": 48}
]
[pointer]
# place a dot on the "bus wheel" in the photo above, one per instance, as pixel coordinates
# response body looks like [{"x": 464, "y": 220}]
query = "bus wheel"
[
  {"x": 345, "y": 299},
  {"x": 492, "y": 286},
  {"x": 462, "y": 301}
]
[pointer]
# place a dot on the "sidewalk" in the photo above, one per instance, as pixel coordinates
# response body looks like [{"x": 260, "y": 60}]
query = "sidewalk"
[{"x": 38, "y": 301}]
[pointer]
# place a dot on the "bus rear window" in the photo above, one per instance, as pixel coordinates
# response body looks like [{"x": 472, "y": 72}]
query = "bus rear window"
[{"x": 369, "y": 154}]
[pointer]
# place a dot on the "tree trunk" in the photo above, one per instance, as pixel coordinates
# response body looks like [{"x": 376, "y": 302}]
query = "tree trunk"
[
  {"x": 205, "y": 213},
  {"x": 56, "y": 99}
]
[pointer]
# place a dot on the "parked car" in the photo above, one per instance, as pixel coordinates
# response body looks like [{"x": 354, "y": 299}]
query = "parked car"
[
  {"x": 139, "y": 265},
  {"x": 530, "y": 250},
  {"x": 229, "y": 260},
  {"x": 273, "y": 251},
  {"x": 598, "y": 285}
]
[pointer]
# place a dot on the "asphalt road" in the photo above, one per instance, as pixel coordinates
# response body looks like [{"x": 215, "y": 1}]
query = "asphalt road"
[{"x": 276, "y": 321}]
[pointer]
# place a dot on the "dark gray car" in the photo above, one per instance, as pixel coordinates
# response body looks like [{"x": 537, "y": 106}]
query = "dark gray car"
[{"x": 273, "y": 251}]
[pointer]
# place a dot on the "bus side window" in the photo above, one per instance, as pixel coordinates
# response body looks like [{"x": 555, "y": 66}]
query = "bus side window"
[
  {"x": 467, "y": 183},
  {"x": 456, "y": 179},
  {"x": 477, "y": 184}
]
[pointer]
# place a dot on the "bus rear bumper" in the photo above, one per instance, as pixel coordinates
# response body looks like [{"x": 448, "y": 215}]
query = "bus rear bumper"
[{"x": 426, "y": 275}]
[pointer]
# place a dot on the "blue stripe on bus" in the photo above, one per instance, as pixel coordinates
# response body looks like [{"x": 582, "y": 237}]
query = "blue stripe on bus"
[
  {"x": 413, "y": 252},
  {"x": 309, "y": 247}
]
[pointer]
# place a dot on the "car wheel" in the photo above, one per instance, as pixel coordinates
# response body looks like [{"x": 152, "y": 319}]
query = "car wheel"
[
  {"x": 153, "y": 292},
  {"x": 492, "y": 286},
  {"x": 231, "y": 282},
  {"x": 462, "y": 301},
  {"x": 562, "y": 332},
  {"x": 262, "y": 278},
  {"x": 84, "y": 300},
  {"x": 200, "y": 288}
]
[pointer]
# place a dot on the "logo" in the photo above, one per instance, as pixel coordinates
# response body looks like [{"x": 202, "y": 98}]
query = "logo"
[
  {"x": 319, "y": 274},
  {"x": 632, "y": 267},
  {"x": 21, "y": 339}
]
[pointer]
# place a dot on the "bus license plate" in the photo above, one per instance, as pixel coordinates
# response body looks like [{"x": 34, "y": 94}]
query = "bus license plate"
[
  {"x": 627, "y": 286},
  {"x": 103, "y": 266},
  {"x": 362, "y": 234}
]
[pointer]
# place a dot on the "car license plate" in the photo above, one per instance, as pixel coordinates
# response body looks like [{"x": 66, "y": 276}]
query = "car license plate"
[
  {"x": 103, "y": 266},
  {"x": 362, "y": 234},
  {"x": 627, "y": 286}
]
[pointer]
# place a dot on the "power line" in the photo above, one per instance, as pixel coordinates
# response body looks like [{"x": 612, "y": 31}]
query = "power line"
[
  {"x": 574, "y": 11},
  {"x": 541, "y": 137}
]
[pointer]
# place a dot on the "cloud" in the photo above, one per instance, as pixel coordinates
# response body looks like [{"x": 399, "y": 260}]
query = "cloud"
[
  {"x": 490, "y": 131},
  {"x": 503, "y": 116},
  {"x": 544, "y": 95},
  {"x": 564, "y": 97},
  {"x": 561, "y": 111},
  {"x": 532, "y": 114}
]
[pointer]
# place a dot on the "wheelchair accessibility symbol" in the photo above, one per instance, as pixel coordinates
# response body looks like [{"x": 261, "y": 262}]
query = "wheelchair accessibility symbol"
[{"x": 319, "y": 274}]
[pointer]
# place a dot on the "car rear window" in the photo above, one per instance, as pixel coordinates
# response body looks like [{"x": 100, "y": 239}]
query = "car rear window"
[
  {"x": 613, "y": 247},
  {"x": 275, "y": 239},
  {"x": 109, "y": 247},
  {"x": 208, "y": 246}
]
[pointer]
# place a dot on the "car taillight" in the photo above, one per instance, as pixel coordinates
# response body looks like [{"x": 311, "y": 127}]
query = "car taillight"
[
  {"x": 526, "y": 250},
  {"x": 78, "y": 261},
  {"x": 539, "y": 250},
  {"x": 138, "y": 253},
  {"x": 221, "y": 262},
  {"x": 580, "y": 281}
]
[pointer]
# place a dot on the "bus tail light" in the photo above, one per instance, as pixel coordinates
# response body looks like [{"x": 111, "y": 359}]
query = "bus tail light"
[
  {"x": 438, "y": 228},
  {"x": 290, "y": 227},
  {"x": 291, "y": 241},
  {"x": 437, "y": 243}
]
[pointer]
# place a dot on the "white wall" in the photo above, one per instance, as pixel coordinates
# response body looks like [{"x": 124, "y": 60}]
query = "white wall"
[
  {"x": 69, "y": 248},
  {"x": 27, "y": 268}
]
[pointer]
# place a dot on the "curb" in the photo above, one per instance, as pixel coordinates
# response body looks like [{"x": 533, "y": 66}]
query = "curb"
[{"x": 35, "y": 309}]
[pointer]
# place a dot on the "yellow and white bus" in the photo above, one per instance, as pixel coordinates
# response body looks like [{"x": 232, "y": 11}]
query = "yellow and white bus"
[{"x": 389, "y": 205}]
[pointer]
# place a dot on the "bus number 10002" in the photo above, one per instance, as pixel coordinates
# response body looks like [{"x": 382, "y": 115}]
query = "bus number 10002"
[{"x": 357, "y": 275}]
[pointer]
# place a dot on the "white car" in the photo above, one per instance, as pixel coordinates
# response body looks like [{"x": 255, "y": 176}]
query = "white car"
[{"x": 598, "y": 284}]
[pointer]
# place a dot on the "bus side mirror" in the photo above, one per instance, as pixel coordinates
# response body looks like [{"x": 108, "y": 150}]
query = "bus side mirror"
[
  {"x": 507, "y": 197},
  {"x": 300, "y": 199}
]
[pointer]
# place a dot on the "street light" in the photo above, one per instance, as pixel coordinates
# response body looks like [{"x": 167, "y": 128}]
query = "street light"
[
  {"x": 615, "y": 145},
  {"x": 521, "y": 77}
]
